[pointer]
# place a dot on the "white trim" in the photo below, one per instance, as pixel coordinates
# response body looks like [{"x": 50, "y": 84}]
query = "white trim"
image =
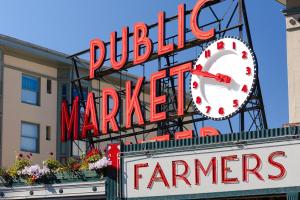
[{"x": 77, "y": 189}]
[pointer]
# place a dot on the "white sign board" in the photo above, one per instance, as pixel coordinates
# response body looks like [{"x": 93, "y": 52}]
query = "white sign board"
[{"x": 238, "y": 168}]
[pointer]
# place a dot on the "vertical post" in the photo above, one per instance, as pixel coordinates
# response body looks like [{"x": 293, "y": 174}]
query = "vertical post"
[
  {"x": 112, "y": 184},
  {"x": 158, "y": 93},
  {"x": 90, "y": 138},
  {"x": 242, "y": 115},
  {"x": 1, "y": 97},
  {"x": 79, "y": 82},
  {"x": 179, "y": 120},
  {"x": 292, "y": 196},
  {"x": 247, "y": 27}
]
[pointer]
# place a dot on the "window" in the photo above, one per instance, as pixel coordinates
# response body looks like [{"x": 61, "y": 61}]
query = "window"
[
  {"x": 29, "y": 137},
  {"x": 30, "y": 90},
  {"x": 49, "y": 86},
  {"x": 48, "y": 133}
]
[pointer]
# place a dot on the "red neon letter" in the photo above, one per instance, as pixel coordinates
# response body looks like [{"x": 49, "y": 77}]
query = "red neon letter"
[
  {"x": 138, "y": 176},
  {"x": 180, "y": 70},
  {"x": 181, "y": 26},
  {"x": 162, "y": 48},
  {"x": 90, "y": 113},
  {"x": 202, "y": 35},
  {"x": 162, "y": 177},
  {"x": 156, "y": 100},
  {"x": 140, "y": 37},
  {"x": 277, "y": 165},
  {"x": 183, "y": 175},
  {"x": 254, "y": 171},
  {"x": 208, "y": 131},
  {"x": 160, "y": 138},
  {"x": 226, "y": 169},
  {"x": 113, "y": 49},
  {"x": 96, "y": 64},
  {"x": 132, "y": 103},
  {"x": 211, "y": 167},
  {"x": 67, "y": 122},
  {"x": 109, "y": 117},
  {"x": 184, "y": 135}
]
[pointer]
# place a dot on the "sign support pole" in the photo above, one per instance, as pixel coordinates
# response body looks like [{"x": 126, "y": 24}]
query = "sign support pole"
[{"x": 292, "y": 196}]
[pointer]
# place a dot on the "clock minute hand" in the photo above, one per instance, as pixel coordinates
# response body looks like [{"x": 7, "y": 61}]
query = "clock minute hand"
[{"x": 218, "y": 77}]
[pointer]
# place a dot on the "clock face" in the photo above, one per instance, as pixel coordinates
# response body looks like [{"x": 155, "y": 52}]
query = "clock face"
[{"x": 223, "y": 78}]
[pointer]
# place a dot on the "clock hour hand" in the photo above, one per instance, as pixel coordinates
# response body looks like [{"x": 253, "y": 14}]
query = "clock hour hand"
[{"x": 218, "y": 77}]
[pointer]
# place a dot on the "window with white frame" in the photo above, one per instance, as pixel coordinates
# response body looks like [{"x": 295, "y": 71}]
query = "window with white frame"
[{"x": 30, "y": 137}]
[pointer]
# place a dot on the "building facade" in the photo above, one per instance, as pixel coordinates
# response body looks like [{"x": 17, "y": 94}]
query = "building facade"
[
  {"x": 29, "y": 87},
  {"x": 292, "y": 15}
]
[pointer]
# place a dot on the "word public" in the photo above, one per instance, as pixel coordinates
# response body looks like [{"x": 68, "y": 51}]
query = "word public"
[{"x": 141, "y": 39}]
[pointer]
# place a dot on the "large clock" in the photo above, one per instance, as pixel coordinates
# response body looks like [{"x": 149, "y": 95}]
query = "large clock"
[{"x": 223, "y": 78}]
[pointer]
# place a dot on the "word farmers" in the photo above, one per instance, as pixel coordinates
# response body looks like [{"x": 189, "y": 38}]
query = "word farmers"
[{"x": 229, "y": 169}]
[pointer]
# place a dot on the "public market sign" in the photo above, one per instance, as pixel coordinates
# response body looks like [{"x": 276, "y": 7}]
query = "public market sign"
[
  {"x": 70, "y": 121},
  {"x": 221, "y": 169},
  {"x": 221, "y": 83}
]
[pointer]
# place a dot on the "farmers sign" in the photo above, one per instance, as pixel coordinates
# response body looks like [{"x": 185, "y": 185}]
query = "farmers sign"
[{"x": 221, "y": 169}]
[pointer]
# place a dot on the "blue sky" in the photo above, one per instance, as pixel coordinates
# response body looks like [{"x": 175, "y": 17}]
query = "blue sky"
[{"x": 69, "y": 25}]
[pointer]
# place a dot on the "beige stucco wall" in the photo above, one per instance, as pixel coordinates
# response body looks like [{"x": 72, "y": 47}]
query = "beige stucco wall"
[
  {"x": 293, "y": 60},
  {"x": 14, "y": 111}
]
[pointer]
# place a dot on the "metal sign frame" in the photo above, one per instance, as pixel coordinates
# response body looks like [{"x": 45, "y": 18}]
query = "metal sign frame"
[{"x": 254, "y": 108}]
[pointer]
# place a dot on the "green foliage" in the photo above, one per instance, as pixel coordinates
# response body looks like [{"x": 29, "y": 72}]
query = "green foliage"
[
  {"x": 77, "y": 168},
  {"x": 52, "y": 164},
  {"x": 20, "y": 163},
  {"x": 92, "y": 156},
  {"x": 73, "y": 165},
  {"x": 84, "y": 165},
  {"x": 2, "y": 171},
  {"x": 8, "y": 180}
]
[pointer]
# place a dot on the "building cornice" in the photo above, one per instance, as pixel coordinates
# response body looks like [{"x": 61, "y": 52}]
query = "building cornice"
[{"x": 291, "y": 11}]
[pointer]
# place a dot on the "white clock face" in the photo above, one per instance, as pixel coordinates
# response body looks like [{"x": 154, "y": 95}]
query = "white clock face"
[{"x": 223, "y": 78}]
